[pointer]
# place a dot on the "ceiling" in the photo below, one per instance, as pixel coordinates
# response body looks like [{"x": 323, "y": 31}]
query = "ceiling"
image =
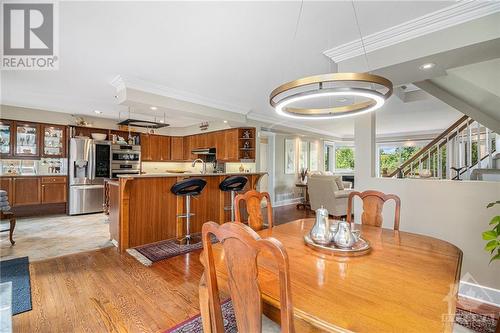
[{"x": 226, "y": 53}]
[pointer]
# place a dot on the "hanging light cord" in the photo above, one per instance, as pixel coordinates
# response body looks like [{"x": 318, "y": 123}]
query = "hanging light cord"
[
  {"x": 360, "y": 36},
  {"x": 298, "y": 20}
]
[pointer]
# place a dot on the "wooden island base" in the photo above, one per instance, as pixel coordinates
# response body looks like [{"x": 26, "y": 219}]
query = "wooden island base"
[{"x": 142, "y": 210}]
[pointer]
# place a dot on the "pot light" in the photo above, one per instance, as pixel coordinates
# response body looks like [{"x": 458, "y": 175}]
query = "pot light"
[
  {"x": 97, "y": 111},
  {"x": 427, "y": 66},
  {"x": 225, "y": 121},
  {"x": 162, "y": 121},
  {"x": 154, "y": 108}
]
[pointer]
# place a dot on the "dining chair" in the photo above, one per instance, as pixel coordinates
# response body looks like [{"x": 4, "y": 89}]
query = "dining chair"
[
  {"x": 373, "y": 202},
  {"x": 241, "y": 247},
  {"x": 253, "y": 200}
]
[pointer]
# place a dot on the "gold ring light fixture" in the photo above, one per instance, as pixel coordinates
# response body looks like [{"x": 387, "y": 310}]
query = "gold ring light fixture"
[{"x": 330, "y": 96}]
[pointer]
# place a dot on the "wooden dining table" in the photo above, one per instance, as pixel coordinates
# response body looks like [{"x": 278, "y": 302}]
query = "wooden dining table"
[{"x": 406, "y": 283}]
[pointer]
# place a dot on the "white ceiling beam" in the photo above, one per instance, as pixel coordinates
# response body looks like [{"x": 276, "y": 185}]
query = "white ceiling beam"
[
  {"x": 458, "y": 13},
  {"x": 459, "y": 104}
]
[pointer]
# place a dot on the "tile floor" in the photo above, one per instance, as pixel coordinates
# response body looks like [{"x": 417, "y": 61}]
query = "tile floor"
[{"x": 52, "y": 236}]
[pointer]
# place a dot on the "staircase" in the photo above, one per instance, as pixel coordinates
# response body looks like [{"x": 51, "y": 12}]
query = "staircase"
[{"x": 465, "y": 150}]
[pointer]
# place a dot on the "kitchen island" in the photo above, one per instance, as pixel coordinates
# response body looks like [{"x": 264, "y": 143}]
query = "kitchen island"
[{"x": 142, "y": 209}]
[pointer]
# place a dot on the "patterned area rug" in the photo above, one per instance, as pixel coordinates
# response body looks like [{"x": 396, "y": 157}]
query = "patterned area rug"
[
  {"x": 194, "y": 324},
  {"x": 475, "y": 322},
  {"x": 151, "y": 253}
]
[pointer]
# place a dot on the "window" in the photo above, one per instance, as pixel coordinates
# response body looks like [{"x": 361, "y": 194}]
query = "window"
[
  {"x": 303, "y": 155},
  {"x": 313, "y": 156},
  {"x": 344, "y": 158},
  {"x": 339, "y": 157},
  {"x": 391, "y": 155}
]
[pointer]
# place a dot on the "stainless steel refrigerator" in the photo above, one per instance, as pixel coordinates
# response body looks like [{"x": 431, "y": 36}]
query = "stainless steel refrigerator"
[{"x": 89, "y": 165}]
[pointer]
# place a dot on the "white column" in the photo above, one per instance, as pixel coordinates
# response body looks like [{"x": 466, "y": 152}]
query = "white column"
[{"x": 364, "y": 163}]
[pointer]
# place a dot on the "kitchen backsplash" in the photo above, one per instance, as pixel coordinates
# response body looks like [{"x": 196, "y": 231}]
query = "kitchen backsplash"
[
  {"x": 161, "y": 167},
  {"x": 44, "y": 166}
]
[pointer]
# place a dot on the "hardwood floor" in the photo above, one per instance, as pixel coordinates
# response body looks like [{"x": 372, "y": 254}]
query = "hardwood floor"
[{"x": 104, "y": 291}]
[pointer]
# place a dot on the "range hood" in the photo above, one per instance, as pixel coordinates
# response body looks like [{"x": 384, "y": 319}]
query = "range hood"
[
  {"x": 142, "y": 123},
  {"x": 203, "y": 151}
]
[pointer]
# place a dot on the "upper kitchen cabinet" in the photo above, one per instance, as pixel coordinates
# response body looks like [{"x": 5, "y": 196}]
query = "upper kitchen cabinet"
[
  {"x": 145, "y": 147},
  {"x": 227, "y": 150},
  {"x": 165, "y": 148},
  {"x": 27, "y": 140},
  {"x": 6, "y": 138},
  {"x": 53, "y": 141},
  {"x": 159, "y": 148},
  {"x": 177, "y": 148}
]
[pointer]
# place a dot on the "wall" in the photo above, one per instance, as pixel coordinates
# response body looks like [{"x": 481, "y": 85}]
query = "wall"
[
  {"x": 284, "y": 184},
  {"x": 449, "y": 210}
]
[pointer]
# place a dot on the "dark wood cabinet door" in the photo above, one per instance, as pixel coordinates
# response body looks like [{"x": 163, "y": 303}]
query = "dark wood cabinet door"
[
  {"x": 220, "y": 145},
  {"x": 6, "y": 185},
  {"x": 155, "y": 143},
  {"x": 145, "y": 147},
  {"x": 189, "y": 145},
  {"x": 53, "y": 141},
  {"x": 177, "y": 148},
  {"x": 6, "y": 138},
  {"x": 231, "y": 148},
  {"x": 164, "y": 148},
  {"x": 26, "y": 140},
  {"x": 26, "y": 191},
  {"x": 53, "y": 193}
]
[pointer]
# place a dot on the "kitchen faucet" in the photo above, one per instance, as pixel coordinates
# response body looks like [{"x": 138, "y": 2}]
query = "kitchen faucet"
[{"x": 204, "y": 165}]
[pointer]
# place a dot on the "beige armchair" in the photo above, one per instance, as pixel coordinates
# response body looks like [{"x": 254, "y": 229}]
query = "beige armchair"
[{"x": 324, "y": 191}]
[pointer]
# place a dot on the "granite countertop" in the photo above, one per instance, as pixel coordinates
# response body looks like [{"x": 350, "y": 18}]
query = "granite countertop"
[{"x": 190, "y": 174}]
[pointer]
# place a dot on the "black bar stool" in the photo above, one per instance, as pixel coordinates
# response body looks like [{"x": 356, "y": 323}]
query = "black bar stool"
[
  {"x": 187, "y": 188},
  {"x": 233, "y": 184}
]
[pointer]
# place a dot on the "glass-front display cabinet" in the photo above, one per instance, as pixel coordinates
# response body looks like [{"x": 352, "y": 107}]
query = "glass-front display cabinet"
[
  {"x": 6, "y": 134},
  {"x": 27, "y": 135},
  {"x": 53, "y": 141}
]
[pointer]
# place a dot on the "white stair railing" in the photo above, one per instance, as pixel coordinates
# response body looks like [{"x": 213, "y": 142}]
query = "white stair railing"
[{"x": 454, "y": 154}]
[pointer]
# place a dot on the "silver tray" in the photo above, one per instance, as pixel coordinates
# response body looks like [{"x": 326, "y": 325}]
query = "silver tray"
[{"x": 360, "y": 248}]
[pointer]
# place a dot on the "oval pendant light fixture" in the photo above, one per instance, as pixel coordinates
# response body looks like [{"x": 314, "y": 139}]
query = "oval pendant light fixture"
[{"x": 363, "y": 93}]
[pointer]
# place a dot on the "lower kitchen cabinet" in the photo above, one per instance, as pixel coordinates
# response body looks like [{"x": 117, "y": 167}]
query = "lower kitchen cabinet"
[
  {"x": 53, "y": 190},
  {"x": 33, "y": 195},
  {"x": 26, "y": 191}
]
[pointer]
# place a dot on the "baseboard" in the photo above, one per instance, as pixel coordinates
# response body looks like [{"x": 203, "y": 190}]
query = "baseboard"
[
  {"x": 287, "y": 202},
  {"x": 479, "y": 293}
]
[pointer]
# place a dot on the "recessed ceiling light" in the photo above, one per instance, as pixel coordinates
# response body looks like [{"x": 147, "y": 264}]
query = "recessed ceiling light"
[
  {"x": 97, "y": 111},
  {"x": 154, "y": 108},
  {"x": 427, "y": 66},
  {"x": 225, "y": 121},
  {"x": 162, "y": 121}
]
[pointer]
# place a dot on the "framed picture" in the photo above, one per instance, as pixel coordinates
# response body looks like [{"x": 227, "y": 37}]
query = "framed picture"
[{"x": 290, "y": 156}]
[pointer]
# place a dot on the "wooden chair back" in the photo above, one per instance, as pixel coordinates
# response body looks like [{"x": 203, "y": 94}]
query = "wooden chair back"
[
  {"x": 373, "y": 202},
  {"x": 241, "y": 246},
  {"x": 253, "y": 199}
]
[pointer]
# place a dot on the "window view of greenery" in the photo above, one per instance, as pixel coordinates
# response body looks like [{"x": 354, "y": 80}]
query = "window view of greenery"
[
  {"x": 344, "y": 158},
  {"x": 390, "y": 157}
]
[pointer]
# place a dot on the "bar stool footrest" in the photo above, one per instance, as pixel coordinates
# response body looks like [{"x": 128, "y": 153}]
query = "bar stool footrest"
[
  {"x": 186, "y": 215},
  {"x": 188, "y": 240}
]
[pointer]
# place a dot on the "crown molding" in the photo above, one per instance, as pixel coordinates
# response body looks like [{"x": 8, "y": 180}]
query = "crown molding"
[
  {"x": 461, "y": 12},
  {"x": 279, "y": 122},
  {"x": 120, "y": 82}
]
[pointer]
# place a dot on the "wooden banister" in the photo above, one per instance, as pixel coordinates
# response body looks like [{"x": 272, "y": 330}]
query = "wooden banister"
[{"x": 430, "y": 145}]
